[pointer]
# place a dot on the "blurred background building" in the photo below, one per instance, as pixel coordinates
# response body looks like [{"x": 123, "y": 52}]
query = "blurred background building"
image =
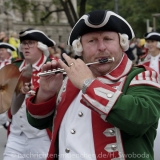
[{"x": 25, "y": 15}]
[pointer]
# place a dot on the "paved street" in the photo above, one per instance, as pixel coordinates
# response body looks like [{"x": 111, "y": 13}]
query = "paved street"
[{"x": 3, "y": 138}]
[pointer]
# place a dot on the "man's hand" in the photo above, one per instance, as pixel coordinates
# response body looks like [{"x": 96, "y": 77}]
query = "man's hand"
[
  {"x": 27, "y": 88},
  {"x": 76, "y": 70},
  {"x": 51, "y": 84}
]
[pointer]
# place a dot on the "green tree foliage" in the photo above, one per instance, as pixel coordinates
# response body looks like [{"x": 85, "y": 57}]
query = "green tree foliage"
[
  {"x": 136, "y": 12},
  {"x": 21, "y": 6}
]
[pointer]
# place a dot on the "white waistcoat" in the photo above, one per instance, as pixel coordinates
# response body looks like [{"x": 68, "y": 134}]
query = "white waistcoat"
[
  {"x": 76, "y": 130},
  {"x": 20, "y": 124}
]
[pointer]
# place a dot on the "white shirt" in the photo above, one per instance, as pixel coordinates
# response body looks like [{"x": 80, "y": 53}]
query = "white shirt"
[
  {"x": 20, "y": 124},
  {"x": 19, "y": 120},
  {"x": 154, "y": 63},
  {"x": 75, "y": 131}
]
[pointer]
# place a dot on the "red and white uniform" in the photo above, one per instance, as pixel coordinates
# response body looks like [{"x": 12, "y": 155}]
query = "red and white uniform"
[
  {"x": 71, "y": 123},
  {"x": 152, "y": 62}
]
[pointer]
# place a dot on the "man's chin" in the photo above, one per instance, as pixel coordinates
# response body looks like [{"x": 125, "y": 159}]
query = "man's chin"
[
  {"x": 100, "y": 70},
  {"x": 27, "y": 57}
]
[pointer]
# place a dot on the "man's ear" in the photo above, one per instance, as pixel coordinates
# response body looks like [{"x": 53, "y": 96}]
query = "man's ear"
[{"x": 124, "y": 42}]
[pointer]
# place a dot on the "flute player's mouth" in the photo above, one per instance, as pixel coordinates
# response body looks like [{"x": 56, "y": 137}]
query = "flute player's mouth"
[{"x": 102, "y": 59}]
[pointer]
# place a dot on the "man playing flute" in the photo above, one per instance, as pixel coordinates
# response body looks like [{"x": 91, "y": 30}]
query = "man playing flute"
[{"x": 107, "y": 111}]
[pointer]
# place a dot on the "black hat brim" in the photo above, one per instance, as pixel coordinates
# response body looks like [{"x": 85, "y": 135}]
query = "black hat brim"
[
  {"x": 101, "y": 20},
  {"x": 7, "y": 46},
  {"x": 152, "y": 36},
  {"x": 36, "y": 35}
]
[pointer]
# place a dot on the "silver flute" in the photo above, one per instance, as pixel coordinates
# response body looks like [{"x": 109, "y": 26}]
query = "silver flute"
[{"x": 59, "y": 70}]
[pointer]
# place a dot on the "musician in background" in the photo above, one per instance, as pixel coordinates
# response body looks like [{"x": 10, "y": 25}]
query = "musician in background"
[
  {"x": 55, "y": 53},
  {"x": 103, "y": 112},
  {"x": 5, "y": 59},
  {"x": 153, "y": 44},
  {"x": 24, "y": 141},
  {"x": 153, "y": 60},
  {"x": 6, "y": 54}
]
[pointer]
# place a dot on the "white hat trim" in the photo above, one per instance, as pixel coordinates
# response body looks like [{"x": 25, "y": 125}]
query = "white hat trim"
[
  {"x": 9, "y": 51},
  {"x": 77, "y": 47},
  {"x": 152, "y": 34},
  {"x": 43, "y": 48},
  {"x": 124, "y": 42}
]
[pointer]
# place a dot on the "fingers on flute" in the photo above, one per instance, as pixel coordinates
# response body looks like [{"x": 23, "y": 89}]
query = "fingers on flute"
[
  {"x": 62, "y": 64},
  {"x": 68, "y": 59},
  {"x": 46, "y": 67},
  {"x": 49, "y": 65}
]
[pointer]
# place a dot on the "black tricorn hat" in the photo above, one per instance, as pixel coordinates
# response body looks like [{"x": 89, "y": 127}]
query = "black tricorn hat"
[
  {"x": 100, "y": 20},
  {"x": 36, "y": 35},
  {"x": 152, "y": 36},
  {"x": 7, "y": 46}
]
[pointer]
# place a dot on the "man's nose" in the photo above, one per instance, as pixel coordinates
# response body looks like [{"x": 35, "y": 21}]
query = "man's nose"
[{"x": 101, "y": 46}]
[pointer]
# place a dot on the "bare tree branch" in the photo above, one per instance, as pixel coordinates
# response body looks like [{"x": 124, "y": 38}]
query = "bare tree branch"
[
  {"x": 73, "y": 11},
  {"x": 82, "y": 7},
  {"x": 66, "y": 9},
  {"x": 49, "y": 13}
]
